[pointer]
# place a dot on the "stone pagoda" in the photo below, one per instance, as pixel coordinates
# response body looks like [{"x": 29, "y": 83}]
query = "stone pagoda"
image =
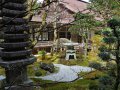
[{"x": 15, "y": 54}]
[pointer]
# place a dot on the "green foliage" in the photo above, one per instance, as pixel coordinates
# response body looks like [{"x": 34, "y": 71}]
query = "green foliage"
[
  {"x": 39, "y": 80},
  {"x": 38, "y": 73},
  {"x": 107, "y": 31},
  {"x": 106, "y": 83},
  {"x": 82, "y": 84},
  {"x": 98, "y": 32},
  {"x": 113, "y": 23},
  {"x": 111, "y": 66},
  {"x": 106, "y": 9},
  {"x": 95, "y": 65},
  {"x": 109, "y": 37},
  {"x": 93, "y": 75},
  {"x": 109, "y": 40},
  {"x": 106, "y": 80},
  {"x": 104, "y": 56},
  {"x": 82, "y": 22},
  {"x": 102, "y": 48},
  {"x": 2, "y": 71},
  {"x": 93, "y": 86},
  {"x": 42, "y": 53},
  {"x": 32, "y": 69}
]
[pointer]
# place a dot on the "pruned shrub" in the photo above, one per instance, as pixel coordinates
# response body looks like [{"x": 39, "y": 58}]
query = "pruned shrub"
[
  {"x": 104, "y": 56},
  {"x": 102, "y": 48},
  {"x": 38, "y": 73},
  {"x": 93, "y": 86},
  {"x": 95, "y": 65},
  {"x": 42, "y": 53},
  {"x": 106, "y": 80}
]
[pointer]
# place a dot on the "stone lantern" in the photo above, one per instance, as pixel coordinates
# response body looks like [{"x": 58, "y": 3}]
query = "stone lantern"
[{"x": 15, "y": 54}]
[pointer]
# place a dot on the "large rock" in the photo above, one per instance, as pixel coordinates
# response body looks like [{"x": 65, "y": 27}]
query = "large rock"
[{"x": 48, "y": 67}]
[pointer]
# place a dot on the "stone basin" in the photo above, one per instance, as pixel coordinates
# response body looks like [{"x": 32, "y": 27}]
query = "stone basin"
[
  {"x": 15, "y": 53},
  {"x": 15, "y": 45}
]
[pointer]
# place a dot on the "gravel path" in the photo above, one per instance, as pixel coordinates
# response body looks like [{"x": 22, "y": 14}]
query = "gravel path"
[
  {"x": 66, "y": 73},
  {"x": 2, "y": 77}
]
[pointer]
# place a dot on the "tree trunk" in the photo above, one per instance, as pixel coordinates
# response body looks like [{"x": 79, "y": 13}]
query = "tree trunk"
[
  {"x": 116, "y": 86},
  {"x": 86, "y": 45},
  {"x": 55, "y": 25}
]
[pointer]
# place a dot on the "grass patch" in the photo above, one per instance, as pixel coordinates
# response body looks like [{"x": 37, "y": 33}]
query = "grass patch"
[
  {"x": 2, "y": 71},
  {"x": 81, "y": 84},
  {"x": 35, "y": 68},
  {"x": 49, "y": 59},
  {"x": 32, "y": 69},
  {"x": 74, "y": 62},
  {"x": 92, "y": 75}
]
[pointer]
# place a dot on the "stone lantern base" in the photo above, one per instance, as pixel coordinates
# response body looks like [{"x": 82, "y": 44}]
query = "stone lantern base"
[
  {"x": 16, "y": 74},
  {"x": 26, "y": 86}
]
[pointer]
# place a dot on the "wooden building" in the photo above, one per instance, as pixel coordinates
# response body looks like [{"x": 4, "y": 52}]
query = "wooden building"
[{"x": 66, "y": 9}]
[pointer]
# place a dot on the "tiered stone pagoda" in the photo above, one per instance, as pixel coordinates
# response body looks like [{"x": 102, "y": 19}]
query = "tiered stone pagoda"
[{"x": 15, "y": 54}]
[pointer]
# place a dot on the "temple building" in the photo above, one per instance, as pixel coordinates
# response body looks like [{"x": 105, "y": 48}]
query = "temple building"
[{"x": 65, "y": 15}]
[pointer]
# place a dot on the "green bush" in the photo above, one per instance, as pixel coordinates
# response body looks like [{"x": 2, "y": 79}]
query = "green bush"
[
  {"x": 106, "y": 83},
  {"x": 107, "y": 33},
  {"x": 95, "y": 65},
  {"x": 42, "y": 53},
  {"x": 114, "y": 22},
  {"x": 93, "y": 86},
  {"x": 38, "y": 73},
  {"x": 104, "y": 56},
  {"x": 102, "y": 48},
  {"x": 111, "y": 65},
  {"x": 62, "y": 54},
  {"x": 111, "y": 69},
  {"x": 106, "y": 80},
  {"x": 109, "y": 40}
]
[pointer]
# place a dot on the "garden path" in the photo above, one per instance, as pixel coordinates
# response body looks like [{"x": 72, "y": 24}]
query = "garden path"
[{"x": 66, "y": 73}]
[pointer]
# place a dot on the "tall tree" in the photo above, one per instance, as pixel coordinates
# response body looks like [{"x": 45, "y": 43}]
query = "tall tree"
[
  {"x": 82, "y": 26},
  {"x": 111, "y": 51},
  {"x": 105, "y": 9}
]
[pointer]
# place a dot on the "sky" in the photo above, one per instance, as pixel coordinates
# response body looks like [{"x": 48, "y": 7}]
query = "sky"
[
  {"x": 86, "y": 0},
  {"x": 42, "y": 0}
]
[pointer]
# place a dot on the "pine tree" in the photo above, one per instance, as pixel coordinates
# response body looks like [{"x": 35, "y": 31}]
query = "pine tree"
[{"x": 111, "y": 51}]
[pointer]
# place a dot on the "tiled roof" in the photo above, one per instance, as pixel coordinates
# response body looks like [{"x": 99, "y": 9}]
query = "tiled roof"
[
  {"x": 74, "y": 5},
  {"x": 66, "y": 17}
]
